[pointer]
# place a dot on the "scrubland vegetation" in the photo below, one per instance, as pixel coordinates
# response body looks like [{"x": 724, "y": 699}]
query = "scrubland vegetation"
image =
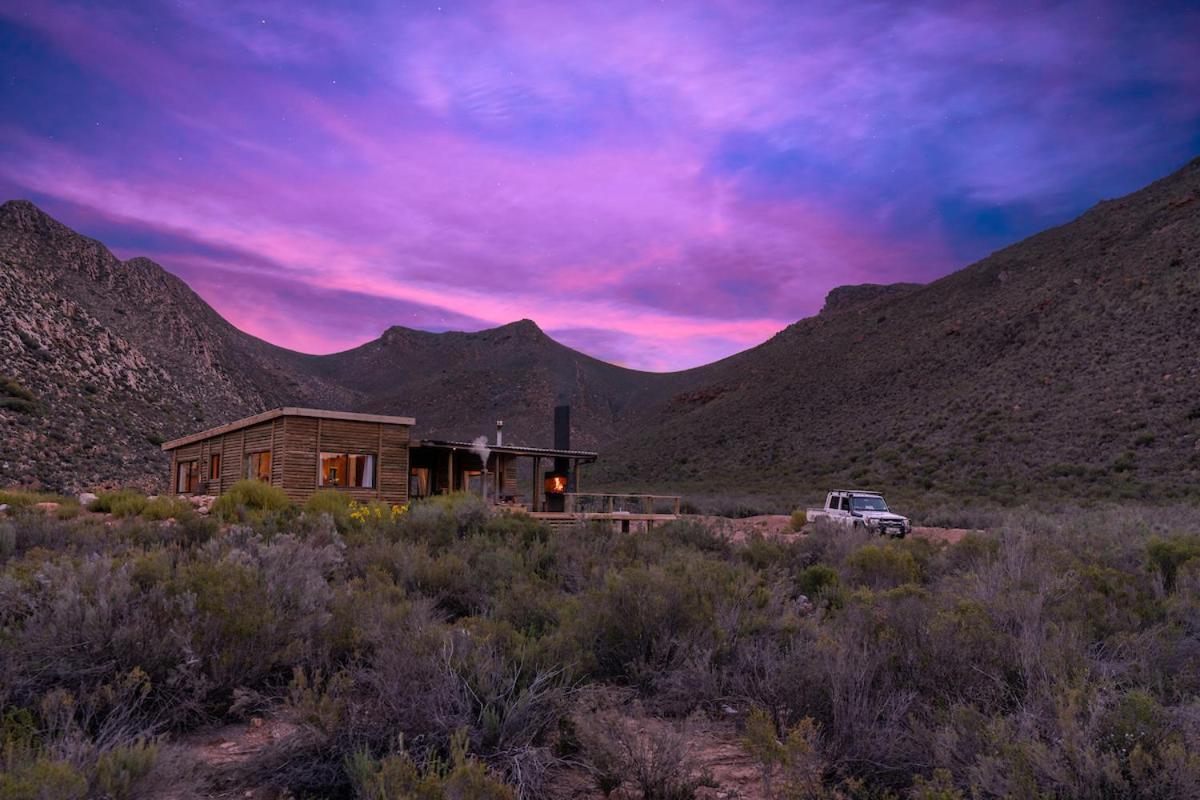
[{"x": 438, "y": 651}]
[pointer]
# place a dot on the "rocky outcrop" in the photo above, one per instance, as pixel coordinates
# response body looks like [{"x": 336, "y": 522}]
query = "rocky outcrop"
[{"x": 844, "y": 298}]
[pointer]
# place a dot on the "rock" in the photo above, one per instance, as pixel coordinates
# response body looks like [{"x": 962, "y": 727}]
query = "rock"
[
  {"x": 49, "y": 508},
  {"x": 87, "y": 498},
  {"x": 3, "y": 507}
]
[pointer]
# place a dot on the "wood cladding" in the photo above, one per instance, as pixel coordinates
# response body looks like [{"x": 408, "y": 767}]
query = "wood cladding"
[{"x": 295, "y": 442}]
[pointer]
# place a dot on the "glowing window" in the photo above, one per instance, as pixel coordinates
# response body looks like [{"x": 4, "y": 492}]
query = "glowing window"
[
  {"x": 258, "y": 465},
  {"x": 352, "y": 470}
]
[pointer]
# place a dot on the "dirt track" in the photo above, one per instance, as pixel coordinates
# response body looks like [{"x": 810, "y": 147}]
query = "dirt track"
[{"x": 780, "y": 525}]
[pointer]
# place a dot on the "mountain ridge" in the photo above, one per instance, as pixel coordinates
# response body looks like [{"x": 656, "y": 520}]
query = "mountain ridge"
[{"x": 989, "y": 380}]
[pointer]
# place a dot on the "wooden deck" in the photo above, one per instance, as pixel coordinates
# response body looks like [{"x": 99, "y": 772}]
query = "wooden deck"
[{"x": 628, "y": 511}]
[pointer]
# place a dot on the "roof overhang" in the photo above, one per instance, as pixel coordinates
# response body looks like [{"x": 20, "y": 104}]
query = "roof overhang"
[
  {"x": 513, "y": 450},
  {"x": 267, "y": 416}
]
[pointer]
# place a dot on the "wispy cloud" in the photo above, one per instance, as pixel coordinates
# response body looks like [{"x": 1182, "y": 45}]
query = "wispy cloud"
[{"x": 660, "y": 185}]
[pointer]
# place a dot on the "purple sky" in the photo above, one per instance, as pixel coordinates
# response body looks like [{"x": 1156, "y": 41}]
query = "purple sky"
[{"x": 657, "y": 184}]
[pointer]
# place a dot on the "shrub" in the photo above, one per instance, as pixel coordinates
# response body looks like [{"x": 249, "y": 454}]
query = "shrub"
[
  {"x": 816, "y": 579},
  {"x": 398, "y": 776},
  {"x": 42, "y": 778},
  {"x": 15, "y": 397},
  {"x": 332, "y": 502},
  {"x": 799, "y": 519},
  {"x": 122, "y": 503},
  {"x": 23, "y": 498},
  {"x": 661, "y": 763},
  {"x": 119, "y": 770},
  {"x": 166, "y": 507},
  {"x": 250, "y": 498},
  {"x": 883, "y": 566},
  {"x": 1168, "y": 555}
]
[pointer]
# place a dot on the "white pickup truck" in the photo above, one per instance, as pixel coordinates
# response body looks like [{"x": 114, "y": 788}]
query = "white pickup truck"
[{"x": 859, "y": 509}]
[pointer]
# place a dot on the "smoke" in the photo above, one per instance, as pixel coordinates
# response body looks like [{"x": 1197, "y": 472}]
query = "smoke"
[{"x": 480, "y": 448}]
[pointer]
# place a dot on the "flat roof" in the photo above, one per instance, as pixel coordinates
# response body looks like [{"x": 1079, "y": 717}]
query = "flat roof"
[
  {"x": 515, "y": 450},
  {"x": 287, "y": 411}
]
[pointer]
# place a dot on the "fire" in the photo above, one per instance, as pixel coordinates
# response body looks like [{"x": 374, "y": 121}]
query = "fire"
[{"x": 556, "y": 484}]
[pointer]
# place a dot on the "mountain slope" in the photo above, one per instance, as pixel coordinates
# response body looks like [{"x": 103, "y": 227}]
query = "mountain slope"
[
  {"x": 459, "y": 384},
  {"x": 122, "y": 355},
  {"x": 1064, "y": 364},
  {"x": 118, "y": 355}
]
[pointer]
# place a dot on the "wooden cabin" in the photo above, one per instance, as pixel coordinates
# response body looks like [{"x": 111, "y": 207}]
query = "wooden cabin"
[
  {"x": 373, "y": 457},
  {"x": 300, "y": 450}
]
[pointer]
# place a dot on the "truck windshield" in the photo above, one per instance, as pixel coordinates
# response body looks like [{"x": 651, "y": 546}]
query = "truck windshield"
[{"x": 867, "y": 504}]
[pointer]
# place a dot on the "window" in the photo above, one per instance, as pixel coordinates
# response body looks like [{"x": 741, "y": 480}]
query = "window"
[
  {"x": 258, "y": 465},
  {"x": 187, "y": 477},
  {"x": 862, "y": 503},
  {"x": 418, "y": 482},
  {"x": 347, "y": 469},
  {"x": 214, "y": 467}
]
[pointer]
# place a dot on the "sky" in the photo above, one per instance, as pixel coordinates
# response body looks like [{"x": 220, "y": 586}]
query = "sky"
[{"x": 657, "y": 184}]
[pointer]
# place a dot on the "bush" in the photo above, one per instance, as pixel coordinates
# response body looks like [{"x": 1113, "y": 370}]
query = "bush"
[
  {"x": 119, "y": 770},
  {"x": 42, "y": 778},
  {"x": 816, "y": 579},
  {"x": 23, "y": 498},
  {"x": 15, "y": 397},
  {"x": 332, "y": 502},
  {"x": 398, "y": 776},
  {"x": 883, "y": 566},
  {"x": 799, "y": 519},
  {"x": 122, "y": 503},
  {"x": 166, "y": 507},
  {"x": 249, "y": 498},
  {"x": 1168, "y": 555}
]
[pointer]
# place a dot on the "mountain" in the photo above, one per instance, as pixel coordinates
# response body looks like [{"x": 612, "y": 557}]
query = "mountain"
[
  {"x": 459, "y": 384},
  {"x": 117, "y": 356},
  {"x": 1064, "y": 365},
  {"x": 101, "y": 360}
]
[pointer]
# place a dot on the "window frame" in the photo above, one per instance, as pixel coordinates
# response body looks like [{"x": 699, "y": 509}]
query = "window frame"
[
  {"x": 346, "y": 458},
  {"x": 214, "y": 466},
  {"x": 192, "y": 465},
  {"x": 255, "y": 458}
]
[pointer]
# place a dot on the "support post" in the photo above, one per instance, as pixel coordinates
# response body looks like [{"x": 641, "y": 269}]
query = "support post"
[{"x": 536, "y": 488}]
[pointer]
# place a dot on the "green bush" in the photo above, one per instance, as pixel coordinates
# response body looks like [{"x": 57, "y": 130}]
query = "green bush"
[
  {"x": 23, "y": 498},
  {"x": 42, "y": 778},
  {"x": 166, "y": 507},
  {"x": 398, "y": 776},
  {"x": 1168, "y": 555},
  {"x": 332, "y": 502},
  {"x": 119, "y": 770},
  {"x": 799, "y": 519},
  {"x": 121, "y": 503},
  {"x": 883, "y": 566},
  {"x": 248, "y": 498},
  {"x": 816, "y": 579},
  {"x": 15, "y": 397}
]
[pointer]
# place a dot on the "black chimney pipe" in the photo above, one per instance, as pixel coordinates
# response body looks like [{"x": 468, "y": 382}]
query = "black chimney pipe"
[{"x": 562, "y": 466}]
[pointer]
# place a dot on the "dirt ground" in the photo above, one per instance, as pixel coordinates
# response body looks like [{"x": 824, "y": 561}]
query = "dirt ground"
[{"x": 780, "y": 525}]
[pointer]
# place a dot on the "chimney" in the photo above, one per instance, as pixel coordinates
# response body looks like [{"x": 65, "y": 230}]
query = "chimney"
[
  {"x": 562, "y": 427},
  {"x": 499, "y": 433}
]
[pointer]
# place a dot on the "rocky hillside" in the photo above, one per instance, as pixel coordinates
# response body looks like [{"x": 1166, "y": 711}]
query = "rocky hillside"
[
  {"x": 1063, "y": 365},
  {"x": 103, "y": 359}
]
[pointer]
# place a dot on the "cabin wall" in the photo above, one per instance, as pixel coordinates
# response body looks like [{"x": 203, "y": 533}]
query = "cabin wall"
[
  {"x": 295, "y": 443},
  {"x": 306, "y": 437}
]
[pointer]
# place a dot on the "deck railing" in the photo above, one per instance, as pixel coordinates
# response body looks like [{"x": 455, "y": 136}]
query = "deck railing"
[{"x": 609, "y": 503}]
